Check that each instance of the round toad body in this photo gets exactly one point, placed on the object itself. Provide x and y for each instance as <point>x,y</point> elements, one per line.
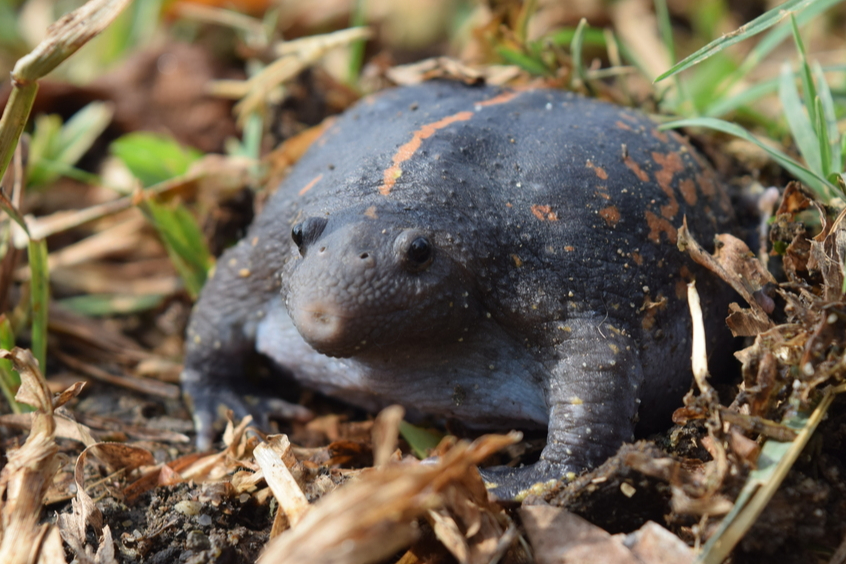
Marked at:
<point>506,258</point>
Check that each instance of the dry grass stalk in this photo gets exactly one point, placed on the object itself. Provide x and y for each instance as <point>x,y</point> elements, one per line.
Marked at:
<point>271,457</point>
<point>385,433</point>
<point>29,471</point>
<point>63,39</point>
<point>294,56</point>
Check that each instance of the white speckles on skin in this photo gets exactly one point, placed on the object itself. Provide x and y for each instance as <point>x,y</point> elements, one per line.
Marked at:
<point>646,289</point>
<point>832,318</point>
<point>808,369</point>
<point>548,106</point>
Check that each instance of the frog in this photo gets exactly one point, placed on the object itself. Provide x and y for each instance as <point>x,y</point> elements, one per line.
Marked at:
<point>501,257</point>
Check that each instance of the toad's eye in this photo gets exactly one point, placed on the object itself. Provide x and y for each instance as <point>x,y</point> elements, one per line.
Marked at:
<point>297,235</point>
<point>414,250</point>
<point>420,250</point>
<point>306,232</point>
<point>419,254</point>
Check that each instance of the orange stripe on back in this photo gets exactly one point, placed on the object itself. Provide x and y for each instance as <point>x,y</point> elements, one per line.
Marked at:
<point>499,99</point>
<point>407,150</point>
<point>311,184</point>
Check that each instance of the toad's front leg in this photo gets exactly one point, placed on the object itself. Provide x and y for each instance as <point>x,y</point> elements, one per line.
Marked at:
<point>593,395</point>
<point>222,335</point>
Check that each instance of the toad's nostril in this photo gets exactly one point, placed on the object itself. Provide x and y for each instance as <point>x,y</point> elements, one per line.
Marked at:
<point>364,256</point>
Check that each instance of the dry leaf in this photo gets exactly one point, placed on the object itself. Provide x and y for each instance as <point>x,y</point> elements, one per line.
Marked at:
<point>558,536</point>
<point>376,515</point>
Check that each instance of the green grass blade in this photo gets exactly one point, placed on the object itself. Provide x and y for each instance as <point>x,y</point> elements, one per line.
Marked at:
<point>576,52</point>
<point>100,305</point>
<point>830,115</point>
<point>253,131</point>
<point>763,48</point>
<point>665,27</point>
<point>808,87</point>
<point>724,105</point>
<point>55,148</point>
<point>756,26</point>
<point>774,38</point>
<point>41,144</point>
<point>525,62</point>
<point>184,242</point>
<point>56,169</point>
<point>521,26</point>
<point>13,121</point>
<point>40,300</point>
<point>7,206</point>
<point>82,130</point>
<point>819,184</point>
<point>800,124</point>
<point>422,441</point>
<point>153,158</point>
<point>10,38</point>
<point>822,138</point>
<point>590,36</point>
<point>358,18</point>
<point>10,380</point>
<point>702,83</point>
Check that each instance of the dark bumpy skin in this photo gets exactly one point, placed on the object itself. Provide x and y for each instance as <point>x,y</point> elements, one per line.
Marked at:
<point>503,258</point>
